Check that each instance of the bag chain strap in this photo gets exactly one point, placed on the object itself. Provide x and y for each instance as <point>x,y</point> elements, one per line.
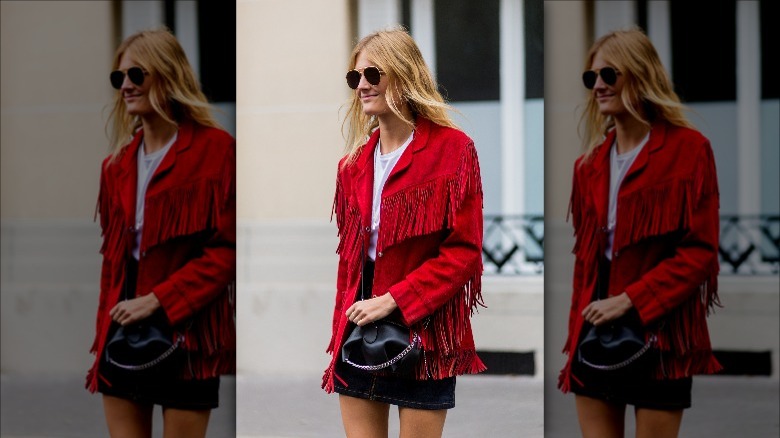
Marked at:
<point>415,342</point>
<point>626,362</point>
<point>153,362</point>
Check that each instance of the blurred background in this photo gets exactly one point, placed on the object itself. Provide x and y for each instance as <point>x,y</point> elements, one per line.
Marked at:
<point>54,104</point>
<point>719,57</point>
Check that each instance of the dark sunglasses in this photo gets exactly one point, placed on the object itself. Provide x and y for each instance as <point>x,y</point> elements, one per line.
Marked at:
<point>372,74</point>
<point>136,75</point>
<point>608,75</point>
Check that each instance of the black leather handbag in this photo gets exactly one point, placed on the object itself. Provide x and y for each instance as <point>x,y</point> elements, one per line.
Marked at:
<point>613,346</point>
<point>147,346</point>
<point>618,345</point>
<point>384,345</point>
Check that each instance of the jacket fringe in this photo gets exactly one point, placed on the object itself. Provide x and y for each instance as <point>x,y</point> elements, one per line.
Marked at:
<point>678,198</point>
<point>431,206</point>
<point>450,323</point>
<point>209,331</point>
<point>183,211</point>
<point>683,338</point>
<point>113,226</point>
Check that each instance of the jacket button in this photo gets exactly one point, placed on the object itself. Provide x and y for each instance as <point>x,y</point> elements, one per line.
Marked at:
<point>380,254</point>
<point>143,254</point>
<point>368,229</point>
<point>616,254</point>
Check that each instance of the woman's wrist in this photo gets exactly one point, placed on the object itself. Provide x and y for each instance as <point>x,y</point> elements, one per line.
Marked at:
<point>389,301</point>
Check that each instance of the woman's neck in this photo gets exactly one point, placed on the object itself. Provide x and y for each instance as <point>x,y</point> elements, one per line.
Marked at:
<point>629,132</point>
<point>157,133</point>
<point>393,131</point>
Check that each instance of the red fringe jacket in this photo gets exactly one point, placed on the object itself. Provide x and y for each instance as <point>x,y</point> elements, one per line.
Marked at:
<point>665,250</point>
<point>187,249</point>
<point>429,248</point>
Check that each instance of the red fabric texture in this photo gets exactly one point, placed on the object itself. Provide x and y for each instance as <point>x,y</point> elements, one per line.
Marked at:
<point>188,256</point>
<point>665,250</point>
<point>429,248</point>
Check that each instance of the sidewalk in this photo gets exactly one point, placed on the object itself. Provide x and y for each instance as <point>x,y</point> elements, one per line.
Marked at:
<point>296,407</point>
<point>60,407</point>
<point>485,407</point>
<point>721,407</point>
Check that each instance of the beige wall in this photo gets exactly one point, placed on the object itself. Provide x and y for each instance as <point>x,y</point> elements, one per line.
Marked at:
<point>55,62</point>
<point>566,43</point>
<point>292,57</point>
<point>54,87</point>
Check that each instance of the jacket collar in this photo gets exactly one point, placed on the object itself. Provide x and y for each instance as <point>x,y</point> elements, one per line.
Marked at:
<point>127,174</point>
<point>600,164</point>
<point>363,170</point>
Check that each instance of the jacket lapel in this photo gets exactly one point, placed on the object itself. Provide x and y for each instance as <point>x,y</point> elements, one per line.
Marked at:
<point>395,183</point>
<point>655,142</point>
<point>363,177</point>
<point>599,191</point>
<point>182,143</point>
<point>127,178</point>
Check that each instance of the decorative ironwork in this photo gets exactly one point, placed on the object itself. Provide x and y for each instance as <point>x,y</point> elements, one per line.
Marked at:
<point>749,244</point>
<point>513,244</point>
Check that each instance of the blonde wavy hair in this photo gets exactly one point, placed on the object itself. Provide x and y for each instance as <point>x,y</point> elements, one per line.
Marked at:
<point>647,94</point>
<point>394,51</point>
<point>175,93</point>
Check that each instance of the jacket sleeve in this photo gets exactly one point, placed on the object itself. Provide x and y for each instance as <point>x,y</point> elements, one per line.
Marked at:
<point>458,265</point>
<point>694,263</point>
<point>341,276</point>
<point>203,278</point>
<point>575,214</point>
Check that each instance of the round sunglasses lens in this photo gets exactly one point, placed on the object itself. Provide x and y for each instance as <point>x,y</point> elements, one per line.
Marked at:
<point>609,75</point>
<point>372,75</point>
<point>589,79</point>
<point>353,79</point>
<point>136,75</point>
<point>117,77</point>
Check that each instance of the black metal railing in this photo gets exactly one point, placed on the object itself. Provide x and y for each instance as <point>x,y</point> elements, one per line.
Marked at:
<point>513,244</point>
<point>749,244</point>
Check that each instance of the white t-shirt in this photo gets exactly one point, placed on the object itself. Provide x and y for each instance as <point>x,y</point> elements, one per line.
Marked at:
<point>147,165</point>
<point>383,165</point>
<point>618,168</point>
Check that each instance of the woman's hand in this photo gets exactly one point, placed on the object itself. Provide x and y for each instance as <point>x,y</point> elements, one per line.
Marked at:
<point>130,311</point>
<point>606,310</point>
<point>366,311</point>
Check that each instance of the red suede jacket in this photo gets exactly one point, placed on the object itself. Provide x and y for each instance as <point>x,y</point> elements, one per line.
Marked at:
<point>429,249</point>
<point>187,249</point>
<point>665,251</point>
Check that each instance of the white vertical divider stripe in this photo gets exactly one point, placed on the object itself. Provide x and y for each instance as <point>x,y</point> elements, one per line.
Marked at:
<point>377,14</point>
<point>748,108</point>
<point>424,31</point>
<point>611,15</point>
<point>187,31</point>
<point>660,30</point>
<point>512,74</point>
<point>140,15</point>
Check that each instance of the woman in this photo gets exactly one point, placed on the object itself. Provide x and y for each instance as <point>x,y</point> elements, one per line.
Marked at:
<point>644,207</point>
<point>408,207</point>
<point>167,211</point>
